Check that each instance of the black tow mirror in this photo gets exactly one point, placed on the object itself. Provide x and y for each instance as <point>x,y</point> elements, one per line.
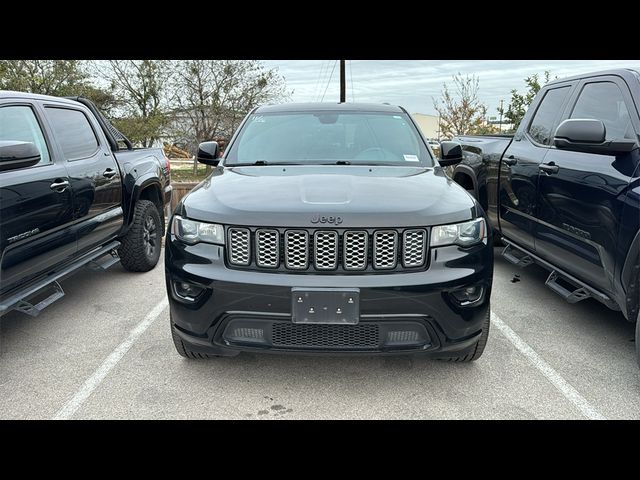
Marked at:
<point>14,154</point>
<point>450,153</point>
<point>208,153</point>
<point>588,135</point>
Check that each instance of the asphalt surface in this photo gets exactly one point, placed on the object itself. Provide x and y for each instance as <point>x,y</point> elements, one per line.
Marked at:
<point>104,351</point>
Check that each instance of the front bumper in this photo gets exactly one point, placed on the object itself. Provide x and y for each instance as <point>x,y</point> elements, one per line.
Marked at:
<point>399,312</point>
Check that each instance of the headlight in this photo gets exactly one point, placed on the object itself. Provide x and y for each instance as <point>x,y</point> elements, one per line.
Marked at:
<point>190,231</point>
<point>463,234</point>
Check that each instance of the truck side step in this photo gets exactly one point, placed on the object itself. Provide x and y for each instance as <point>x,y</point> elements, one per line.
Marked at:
<point>104,262</point>
<point>34,310</point>
<point>575,295</point>
<point>516,256</point>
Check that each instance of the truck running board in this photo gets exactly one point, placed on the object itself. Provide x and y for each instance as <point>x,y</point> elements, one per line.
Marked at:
<point>104,262</point>
<point>516,256</point>
<point>34,310</point>
<point>575,295</point>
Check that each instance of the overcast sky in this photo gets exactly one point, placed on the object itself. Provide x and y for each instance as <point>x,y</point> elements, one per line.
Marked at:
<point>413,83</point>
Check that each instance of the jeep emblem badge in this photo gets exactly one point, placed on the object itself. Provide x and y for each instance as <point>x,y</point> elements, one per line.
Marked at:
<point>326,219</point>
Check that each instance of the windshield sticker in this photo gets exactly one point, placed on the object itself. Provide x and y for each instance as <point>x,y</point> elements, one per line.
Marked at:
<point>411,158</point>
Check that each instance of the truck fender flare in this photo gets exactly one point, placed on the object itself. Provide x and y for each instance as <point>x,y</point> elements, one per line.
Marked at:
<point>467,170</point>
<point>142,183</point>
<point>630,278</point>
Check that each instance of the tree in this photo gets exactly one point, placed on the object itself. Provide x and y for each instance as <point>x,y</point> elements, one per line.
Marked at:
<point>461,112</point>
<point>140,88</point>
<point>520,102</point>
<point>53,77</point>
<point>46,77</point>
<point>213,96</point>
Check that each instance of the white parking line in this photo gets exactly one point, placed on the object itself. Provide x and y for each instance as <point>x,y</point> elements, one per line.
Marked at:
<point>554,377</point>
<point>81,396</point>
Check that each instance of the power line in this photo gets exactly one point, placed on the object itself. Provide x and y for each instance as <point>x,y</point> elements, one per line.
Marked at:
<point>353,98</point>
<point>316,90</point>
<point>330,77</point>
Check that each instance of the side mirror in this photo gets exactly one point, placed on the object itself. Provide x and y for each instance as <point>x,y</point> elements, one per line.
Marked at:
<point>208,153</point>
<point>14,154</point>
<point>450,153</point>
<point>589,136</point>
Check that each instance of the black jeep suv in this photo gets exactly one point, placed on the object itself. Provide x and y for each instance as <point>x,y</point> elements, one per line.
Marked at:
<point>329,228</point>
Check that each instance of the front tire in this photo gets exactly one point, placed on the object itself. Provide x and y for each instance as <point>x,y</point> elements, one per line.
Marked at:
<point>475,352</point>
<point>140,249</point>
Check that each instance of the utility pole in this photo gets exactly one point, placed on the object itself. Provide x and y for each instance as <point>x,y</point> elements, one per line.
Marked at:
<point>343,82</point>
<point>501,101</point>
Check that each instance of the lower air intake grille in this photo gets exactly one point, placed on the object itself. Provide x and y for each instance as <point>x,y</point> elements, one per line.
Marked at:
<point>288,335</point>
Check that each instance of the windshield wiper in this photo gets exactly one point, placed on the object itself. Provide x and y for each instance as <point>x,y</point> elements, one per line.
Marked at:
<point>260,163</point>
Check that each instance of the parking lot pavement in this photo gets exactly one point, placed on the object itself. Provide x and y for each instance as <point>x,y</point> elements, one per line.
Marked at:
<point>104,351</point>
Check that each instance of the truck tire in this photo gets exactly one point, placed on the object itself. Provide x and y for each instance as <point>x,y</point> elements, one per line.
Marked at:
<point>474,352</point>
<point>140,249</point>
<point>184,351</point>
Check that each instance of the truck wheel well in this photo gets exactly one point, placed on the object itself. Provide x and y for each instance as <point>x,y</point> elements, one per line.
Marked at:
<point>152,193</point>
<point>465,181</point>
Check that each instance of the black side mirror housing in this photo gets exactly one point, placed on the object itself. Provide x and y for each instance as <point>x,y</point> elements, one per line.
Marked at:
<point>588,135</point>
<point>450,153</point>
<point>208,153</point>
<point>15,154</point>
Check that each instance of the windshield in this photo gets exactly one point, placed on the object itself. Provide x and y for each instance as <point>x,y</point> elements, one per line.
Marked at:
<point>327,137</point>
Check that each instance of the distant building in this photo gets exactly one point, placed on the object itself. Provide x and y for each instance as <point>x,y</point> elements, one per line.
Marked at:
<point>428,124</point>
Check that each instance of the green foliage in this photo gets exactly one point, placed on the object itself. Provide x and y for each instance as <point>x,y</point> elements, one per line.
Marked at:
<point>46,77</point>
<point>520,102</point>
<point>213,96</point>
<point>185,101</point>
<point>461,112</point>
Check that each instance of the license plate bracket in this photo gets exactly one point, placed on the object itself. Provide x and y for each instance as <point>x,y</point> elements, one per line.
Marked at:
<point>339,306</point>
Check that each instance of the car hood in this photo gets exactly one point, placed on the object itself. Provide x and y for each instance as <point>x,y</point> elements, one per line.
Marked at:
<point>299,196</point>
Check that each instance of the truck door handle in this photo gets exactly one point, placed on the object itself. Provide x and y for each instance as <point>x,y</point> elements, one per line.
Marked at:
<point>549,168</point>
<point>59,185</point>
<point>510,160</point>
<point>109,172</point>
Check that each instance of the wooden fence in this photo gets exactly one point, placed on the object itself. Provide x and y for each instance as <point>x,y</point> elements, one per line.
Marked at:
<point>179,191</point>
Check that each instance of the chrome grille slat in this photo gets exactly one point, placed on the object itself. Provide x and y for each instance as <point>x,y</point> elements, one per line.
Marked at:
<point>355,251</point>
<point>413,248</point>
<point>239,246</point>
<point>296,249</point>
<point>325,249</point>
<point>385,246</point>
<point>267,248</point>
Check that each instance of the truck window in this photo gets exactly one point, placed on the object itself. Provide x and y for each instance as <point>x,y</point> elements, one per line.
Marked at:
<point>74,133</point>
<point>603,101</point>
<point>543,120</point>
<point>18,122</point>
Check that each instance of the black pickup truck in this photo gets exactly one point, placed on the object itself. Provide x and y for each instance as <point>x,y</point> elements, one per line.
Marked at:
<point>73,193</point>
<point>564,191</point>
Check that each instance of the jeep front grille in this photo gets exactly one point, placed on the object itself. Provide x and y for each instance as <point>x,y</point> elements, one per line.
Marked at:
<point>296,249</point>
<point>317,250</point>
<point>355,250</point>
<point>413,247</point>
<point>326,250</point>
<point>267,248</point>
<point>385,249</point>
<point>239,246</point>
